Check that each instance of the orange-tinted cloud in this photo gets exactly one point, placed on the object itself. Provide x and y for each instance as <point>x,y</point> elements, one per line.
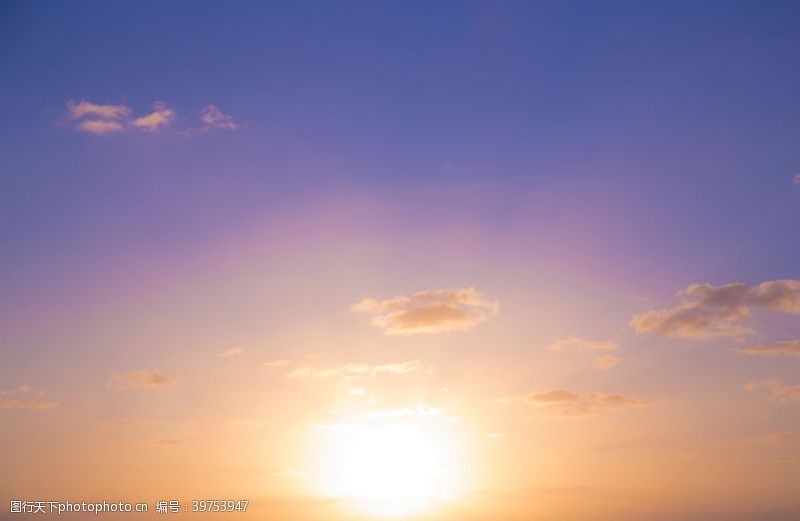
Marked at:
<point>142,379</point>
<point>559,402</point>
<point>785,348</point>
<point>778,391</point>
<point>430,311</point>
<point>574,343</point>
<point>87,108</point>
<point>605,362</point>
<point>99,126</point>
<point>770,439</point>
<point>708,311</point>
<point>161,116</point>
<point>234,351</point>
<point>18,398</point>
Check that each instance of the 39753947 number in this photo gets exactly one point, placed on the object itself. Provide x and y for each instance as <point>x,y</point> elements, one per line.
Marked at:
<point>219,505</point>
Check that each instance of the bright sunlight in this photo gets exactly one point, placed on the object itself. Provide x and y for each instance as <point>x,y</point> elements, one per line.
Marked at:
<point>390,469</point>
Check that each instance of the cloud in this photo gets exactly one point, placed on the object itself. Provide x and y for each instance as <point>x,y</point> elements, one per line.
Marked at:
<point>785,348</point>
<point>707,311</point>
<point>797,179</point>
<point>605,362</point>
<point>430,311</point>
<point>87,108</point>
<point>106,119</point>
<point>214,118</point>
<point>99,126</point>
<point>234,351</point>
<point>18,398</point>
<point>161,116</point>
<point>574,343</point>
<point>561,403</point>
<point>355,369</point>
<point>774,438</point>
<point>142,379</point>
<point>311,372</point>
<point>398,368</point>
<point>779,393</point>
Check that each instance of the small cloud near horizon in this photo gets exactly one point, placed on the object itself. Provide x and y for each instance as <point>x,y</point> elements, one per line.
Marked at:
<point>142,379</point>
<point>566,404</point>
<point>356,369</point>
<point>19,398</point>
<point>779,393</point>
<point>574,343</point>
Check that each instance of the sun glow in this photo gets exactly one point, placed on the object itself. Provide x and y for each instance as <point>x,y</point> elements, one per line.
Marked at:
<point>390,469</point>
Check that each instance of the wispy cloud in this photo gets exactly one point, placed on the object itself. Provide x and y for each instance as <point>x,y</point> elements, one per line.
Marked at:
<point>773,438</point>
<point>161,116</point>
<point>574,343</point>
<point>142,379</point>
<point>789,348</point>
<point>277,363</point>
<point>214,118</point>
<point>779,392</point>
<point>356,369</point>
<point>419,410</point>
<point>234,351</point>
<point>567,404</point>
<point>99,126</point>
<point>707,311</point>
<point>83,108</point>
<point>797,179</point>
<point>605,362</point>
<point>430,311</point>
<point>20,398</point>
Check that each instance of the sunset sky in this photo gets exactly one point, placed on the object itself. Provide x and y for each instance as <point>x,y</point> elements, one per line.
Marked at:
<point>453,261</point>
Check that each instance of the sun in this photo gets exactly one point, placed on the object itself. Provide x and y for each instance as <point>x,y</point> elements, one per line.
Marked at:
<point>390,468</point>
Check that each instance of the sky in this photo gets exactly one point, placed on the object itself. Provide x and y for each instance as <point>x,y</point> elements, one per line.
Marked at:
<point>402,260</point>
